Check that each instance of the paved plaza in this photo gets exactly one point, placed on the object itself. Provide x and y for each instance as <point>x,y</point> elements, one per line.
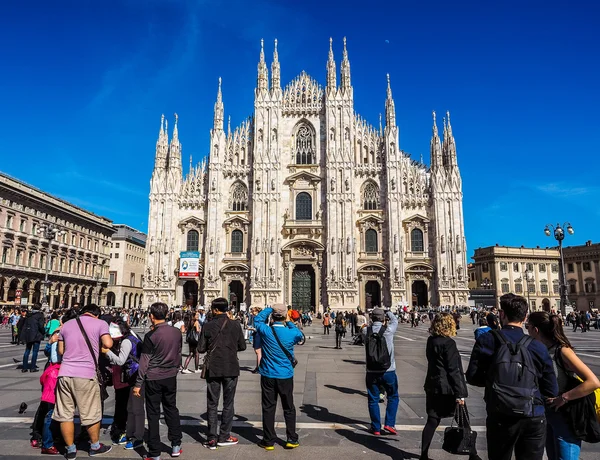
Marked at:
<point>329,393</point>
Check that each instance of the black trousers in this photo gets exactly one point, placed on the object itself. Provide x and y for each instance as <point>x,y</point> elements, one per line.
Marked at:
<point>136,416</point>
<point>525,436</point>
<point>162,391</point>
<point>270,389</point>
<point>120,417</point>
<point>338,339</point>
<point>213,392</point>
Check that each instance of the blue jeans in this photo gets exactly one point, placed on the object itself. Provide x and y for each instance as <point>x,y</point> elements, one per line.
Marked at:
<point>561,444</point>
<point>47,437</point>
<point>388,381</point>
<point>36,348</point>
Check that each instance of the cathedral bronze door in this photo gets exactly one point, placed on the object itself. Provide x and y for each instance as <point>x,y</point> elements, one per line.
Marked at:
<point>303,288</point>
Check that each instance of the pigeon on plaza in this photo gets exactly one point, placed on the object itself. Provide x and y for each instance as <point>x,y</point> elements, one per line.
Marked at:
<point>22,408</point>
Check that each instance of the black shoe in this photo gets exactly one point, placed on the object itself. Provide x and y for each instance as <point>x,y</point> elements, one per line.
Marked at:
<point>255,371</point>
<point>71,455</point>
<point>103,449</point>
<point>37,369</point>
<point>24,370</point>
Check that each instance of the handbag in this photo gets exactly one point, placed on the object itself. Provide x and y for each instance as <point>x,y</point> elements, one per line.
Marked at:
<point>206,360</point>
<point>99,375</point>
<point>459,440</point>
<point>192,336</point>
<point>293,360</point>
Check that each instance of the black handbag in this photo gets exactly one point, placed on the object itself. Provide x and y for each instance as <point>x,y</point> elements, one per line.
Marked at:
<point>460,440</point>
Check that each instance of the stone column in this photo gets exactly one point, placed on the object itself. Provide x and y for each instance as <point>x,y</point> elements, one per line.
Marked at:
<point>5,293</point>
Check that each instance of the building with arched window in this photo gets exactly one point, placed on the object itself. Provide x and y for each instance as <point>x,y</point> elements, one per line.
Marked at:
<point>307,203</point>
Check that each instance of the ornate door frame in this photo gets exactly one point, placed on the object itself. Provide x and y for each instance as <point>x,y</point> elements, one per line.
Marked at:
<point>303,252</point>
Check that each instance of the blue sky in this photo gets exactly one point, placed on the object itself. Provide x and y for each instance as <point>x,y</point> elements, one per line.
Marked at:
<point>84,84</point>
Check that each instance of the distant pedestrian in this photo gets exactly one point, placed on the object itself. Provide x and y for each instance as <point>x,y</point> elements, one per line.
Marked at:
<point>221,339</point>
<point>277,373</point>
<point>32,334</point>
<point>157,373</point>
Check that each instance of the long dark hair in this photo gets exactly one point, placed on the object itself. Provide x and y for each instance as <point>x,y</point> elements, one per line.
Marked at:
<point>550,326</point>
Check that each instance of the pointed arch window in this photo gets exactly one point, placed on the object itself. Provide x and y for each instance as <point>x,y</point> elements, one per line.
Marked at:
<point>370,196</point>
<point>237,241</point>
<point>305,145</point>
<point>416,240</point>
<point>239,197</point>
<point>303,206</point>
<point>371,245</point>
<point>192,240</point>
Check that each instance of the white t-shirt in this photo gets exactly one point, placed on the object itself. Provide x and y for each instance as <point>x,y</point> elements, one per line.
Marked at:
<point>178,325</point>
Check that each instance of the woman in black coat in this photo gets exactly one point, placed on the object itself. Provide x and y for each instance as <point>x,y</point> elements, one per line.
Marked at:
<point>445,383</point>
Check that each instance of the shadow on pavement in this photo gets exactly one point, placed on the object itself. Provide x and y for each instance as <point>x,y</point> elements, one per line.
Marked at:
<point>354,361</point>
<point>347,391</point>
<point>322,414</point>
<point>377,444</point>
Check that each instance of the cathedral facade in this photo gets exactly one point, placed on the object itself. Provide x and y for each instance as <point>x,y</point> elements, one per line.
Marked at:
<point>308,204</point>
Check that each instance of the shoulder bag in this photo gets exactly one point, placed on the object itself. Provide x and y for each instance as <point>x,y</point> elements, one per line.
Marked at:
<point>99,376</point>
<point>206,360</point>
<point>459,440</point>
<point>293,360</point>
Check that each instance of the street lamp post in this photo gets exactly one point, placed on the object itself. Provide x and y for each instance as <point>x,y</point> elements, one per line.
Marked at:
<point>49,232</point>
<point>559,235</point>
<point>486,284</point>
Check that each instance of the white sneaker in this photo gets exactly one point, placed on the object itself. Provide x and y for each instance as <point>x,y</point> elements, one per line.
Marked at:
<point>186,371</point>
<point>197,371</point>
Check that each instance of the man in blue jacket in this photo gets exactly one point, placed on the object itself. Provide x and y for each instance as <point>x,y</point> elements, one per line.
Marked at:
<point>276,371</point>
<point>524,434</point>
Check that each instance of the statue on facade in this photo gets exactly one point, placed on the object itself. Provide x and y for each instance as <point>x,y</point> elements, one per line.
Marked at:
<point>211,246</point>
<point>459,270</point>
<point>458,244</point>
<point>395,242</point>
<point>272,273</point>
<point>213,185</point>
<point>257,185</point>
<point>349,273</point>
<point>348,245</point>
<point>273,184</point>
<point>286,214</point>
<point>272,245</point>
<point>393,183</point>
<point>332,184</point>
<point>256,273</point>
<point>333,274</point>
<point>442,244</point>
<point>396,273</point>
<point>347,184</point>
<point>444,273</point>
<point>152,245</point>
<point>333,245</point>
<point>319,212</point>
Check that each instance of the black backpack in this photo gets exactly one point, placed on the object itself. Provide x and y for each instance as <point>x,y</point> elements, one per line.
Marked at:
<point>378,355</point>
<point>512,380</point>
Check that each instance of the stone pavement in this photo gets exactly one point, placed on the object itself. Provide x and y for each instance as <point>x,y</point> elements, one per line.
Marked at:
<point>329,394</point>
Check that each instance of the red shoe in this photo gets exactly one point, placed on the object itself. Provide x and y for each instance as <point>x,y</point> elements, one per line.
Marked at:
<point>35,444</point>
<point>230,441</point>
<point>390,430</point>
<point>50,451</point>
<point>375,433</point>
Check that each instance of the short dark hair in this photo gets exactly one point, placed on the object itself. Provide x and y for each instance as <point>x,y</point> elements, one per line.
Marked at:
<point>514,307</point>
<point>220,304</point>
<point>92,309</point>
<point>159,310</point>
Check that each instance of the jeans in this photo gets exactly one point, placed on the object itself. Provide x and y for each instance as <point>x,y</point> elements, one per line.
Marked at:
<point>526,436</point>
<point>338,339</point>
<point>38,420</point>
<point>47,436</point>
<point>388,381</point>
<point>561,444</point>
<point>270,389</point>
<point>162,391</point>
<point>35,346</point>
<point>213,392</point>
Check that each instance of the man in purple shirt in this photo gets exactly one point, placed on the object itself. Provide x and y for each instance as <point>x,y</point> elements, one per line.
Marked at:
<point>77,382</point>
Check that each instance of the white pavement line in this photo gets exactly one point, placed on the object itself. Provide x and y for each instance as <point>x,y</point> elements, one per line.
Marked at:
<point>257,424</point>
<point>405,338</point>
<point>16,364</point>
<point>9,345</point>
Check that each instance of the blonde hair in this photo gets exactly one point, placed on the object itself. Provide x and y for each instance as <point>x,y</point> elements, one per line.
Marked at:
<point>443,325</point>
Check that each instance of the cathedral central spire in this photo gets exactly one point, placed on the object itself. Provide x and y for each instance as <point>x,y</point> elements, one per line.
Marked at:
<point>218,121</point>
<point>263,74</point>
<point>390,107</point>
<point>331,71</point>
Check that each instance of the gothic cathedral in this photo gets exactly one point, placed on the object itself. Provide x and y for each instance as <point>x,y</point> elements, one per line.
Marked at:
<point>308,204</point>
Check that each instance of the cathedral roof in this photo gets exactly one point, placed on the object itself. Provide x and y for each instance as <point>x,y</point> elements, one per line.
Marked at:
<point>303,95</point>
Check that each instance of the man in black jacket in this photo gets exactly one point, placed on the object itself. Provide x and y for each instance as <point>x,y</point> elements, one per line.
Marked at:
<point>525,433</point>
<point>32,334</point>
<point>221,339</point>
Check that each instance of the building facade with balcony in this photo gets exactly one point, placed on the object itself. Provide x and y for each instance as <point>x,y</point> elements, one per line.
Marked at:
<point>126,270</point>
<point>530,272</point>
<point>582,273</point>
<point>78,256</point>
<point>308,204</point>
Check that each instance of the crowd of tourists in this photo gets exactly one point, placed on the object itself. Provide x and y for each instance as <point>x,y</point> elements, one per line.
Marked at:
<point>539,395</point>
